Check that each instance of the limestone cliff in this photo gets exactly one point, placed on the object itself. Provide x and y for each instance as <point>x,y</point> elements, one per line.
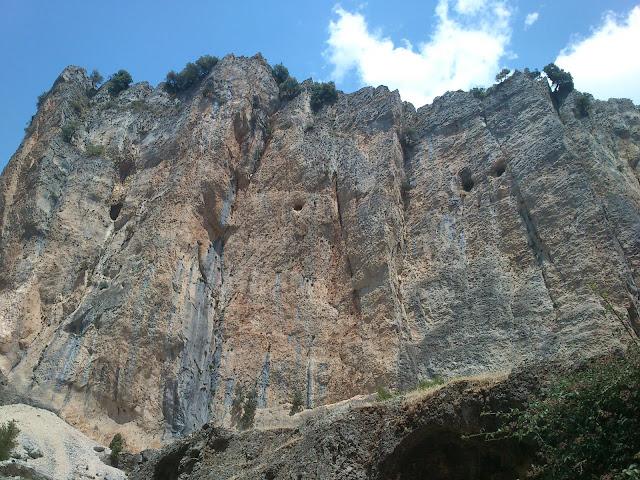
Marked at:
<point>177,248</point>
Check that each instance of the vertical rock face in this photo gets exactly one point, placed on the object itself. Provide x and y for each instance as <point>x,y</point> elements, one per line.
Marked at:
<point>180,249</point>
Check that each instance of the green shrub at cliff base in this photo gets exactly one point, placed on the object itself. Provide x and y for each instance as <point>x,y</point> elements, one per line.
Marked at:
<point>190,74</point>
<point>119,81</point>
<point>323,94</point>
<point>585,425</point>
<point>383,394</point>
<point>8,434</point>
<point>116,446</point>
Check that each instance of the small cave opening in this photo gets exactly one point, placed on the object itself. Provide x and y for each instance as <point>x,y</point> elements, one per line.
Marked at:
<point>114,211</point>
<point>442,454</point>
<point>498,169</point>
<point>298,206</point>
<point>466,180</point>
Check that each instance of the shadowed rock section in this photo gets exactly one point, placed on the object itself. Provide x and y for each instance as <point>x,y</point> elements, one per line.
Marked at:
<point>227,241</point>
<point>423,435</point>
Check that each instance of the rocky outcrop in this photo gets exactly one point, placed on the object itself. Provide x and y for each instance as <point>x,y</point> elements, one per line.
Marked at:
<point>431,434</point>
<point>180,249</point>
<point>50,449</point>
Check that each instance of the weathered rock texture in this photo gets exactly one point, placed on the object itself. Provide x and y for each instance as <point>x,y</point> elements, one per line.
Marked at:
<point>226,239</point>
<point>414,438</point>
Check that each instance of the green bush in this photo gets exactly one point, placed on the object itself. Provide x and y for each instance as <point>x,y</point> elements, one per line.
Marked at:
<point>116,446</point>
<point>585,424</point>
<point>322,94</point>
<point>383,394</point>
<point>478,92</point>
<point>583,104</point>
<point>297,403</point>
<point>502,75</point>
<point>562,81</point>
<point>69,130</point>
<point>96,78</point>
<point>280,73</point>
<point>190,74</point>
<point>205,64</point>
<point>8,435</point>
<point>94,150</point>
<point>288,85</point>
<point>119,81</point>
<point>426,384</point>
<point>289,89</point>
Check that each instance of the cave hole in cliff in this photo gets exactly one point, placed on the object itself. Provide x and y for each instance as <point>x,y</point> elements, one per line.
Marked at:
<point>440,454</point>
<point>169,468</point>
<point>114,211</point>
<point>499,168</point>
<point>466,180</point>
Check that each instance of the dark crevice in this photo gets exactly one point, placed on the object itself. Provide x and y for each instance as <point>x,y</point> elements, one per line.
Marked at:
<point>499,168</point>
<point>534,241</point>
<point>114,211</point>
<point>539,251</point>
<point>466,180</point>
<point>634,319</point>
<point>444,454</point>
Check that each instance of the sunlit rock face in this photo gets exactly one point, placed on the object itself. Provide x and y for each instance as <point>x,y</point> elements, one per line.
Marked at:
<point>178,250</point>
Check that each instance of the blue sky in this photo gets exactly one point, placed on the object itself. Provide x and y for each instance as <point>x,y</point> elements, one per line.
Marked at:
<point>421,47</point>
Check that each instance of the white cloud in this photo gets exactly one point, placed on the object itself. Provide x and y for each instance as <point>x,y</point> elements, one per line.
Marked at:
<point>607,63</point>
<point>467,7</point>
<point>530,19</point>
<point>463,51</point>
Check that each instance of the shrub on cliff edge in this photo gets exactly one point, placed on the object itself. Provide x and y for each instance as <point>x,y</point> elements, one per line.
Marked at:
<point>190,74</point>
<point>323,94</point>
<point>119,81</point>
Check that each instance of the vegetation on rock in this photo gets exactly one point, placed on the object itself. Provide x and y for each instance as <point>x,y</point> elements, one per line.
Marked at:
<point>116,446</point>
<point>323,94</point>
<point>585,424</point>
<point>69,130</point>
<point>190,74</point>
<point>94,150</point>
<point>96,78</point>
<point>288,85</point>
<point>8,435</point>
<point>502,75</point>
<point>119,81</point>
<point>583,104</point>
<point>562,81</point>
<point>249,411</point>
<point>383,393</point>
<point>297,403</point>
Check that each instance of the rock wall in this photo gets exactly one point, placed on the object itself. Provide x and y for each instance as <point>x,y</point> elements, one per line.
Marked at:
<point>224,240</point>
